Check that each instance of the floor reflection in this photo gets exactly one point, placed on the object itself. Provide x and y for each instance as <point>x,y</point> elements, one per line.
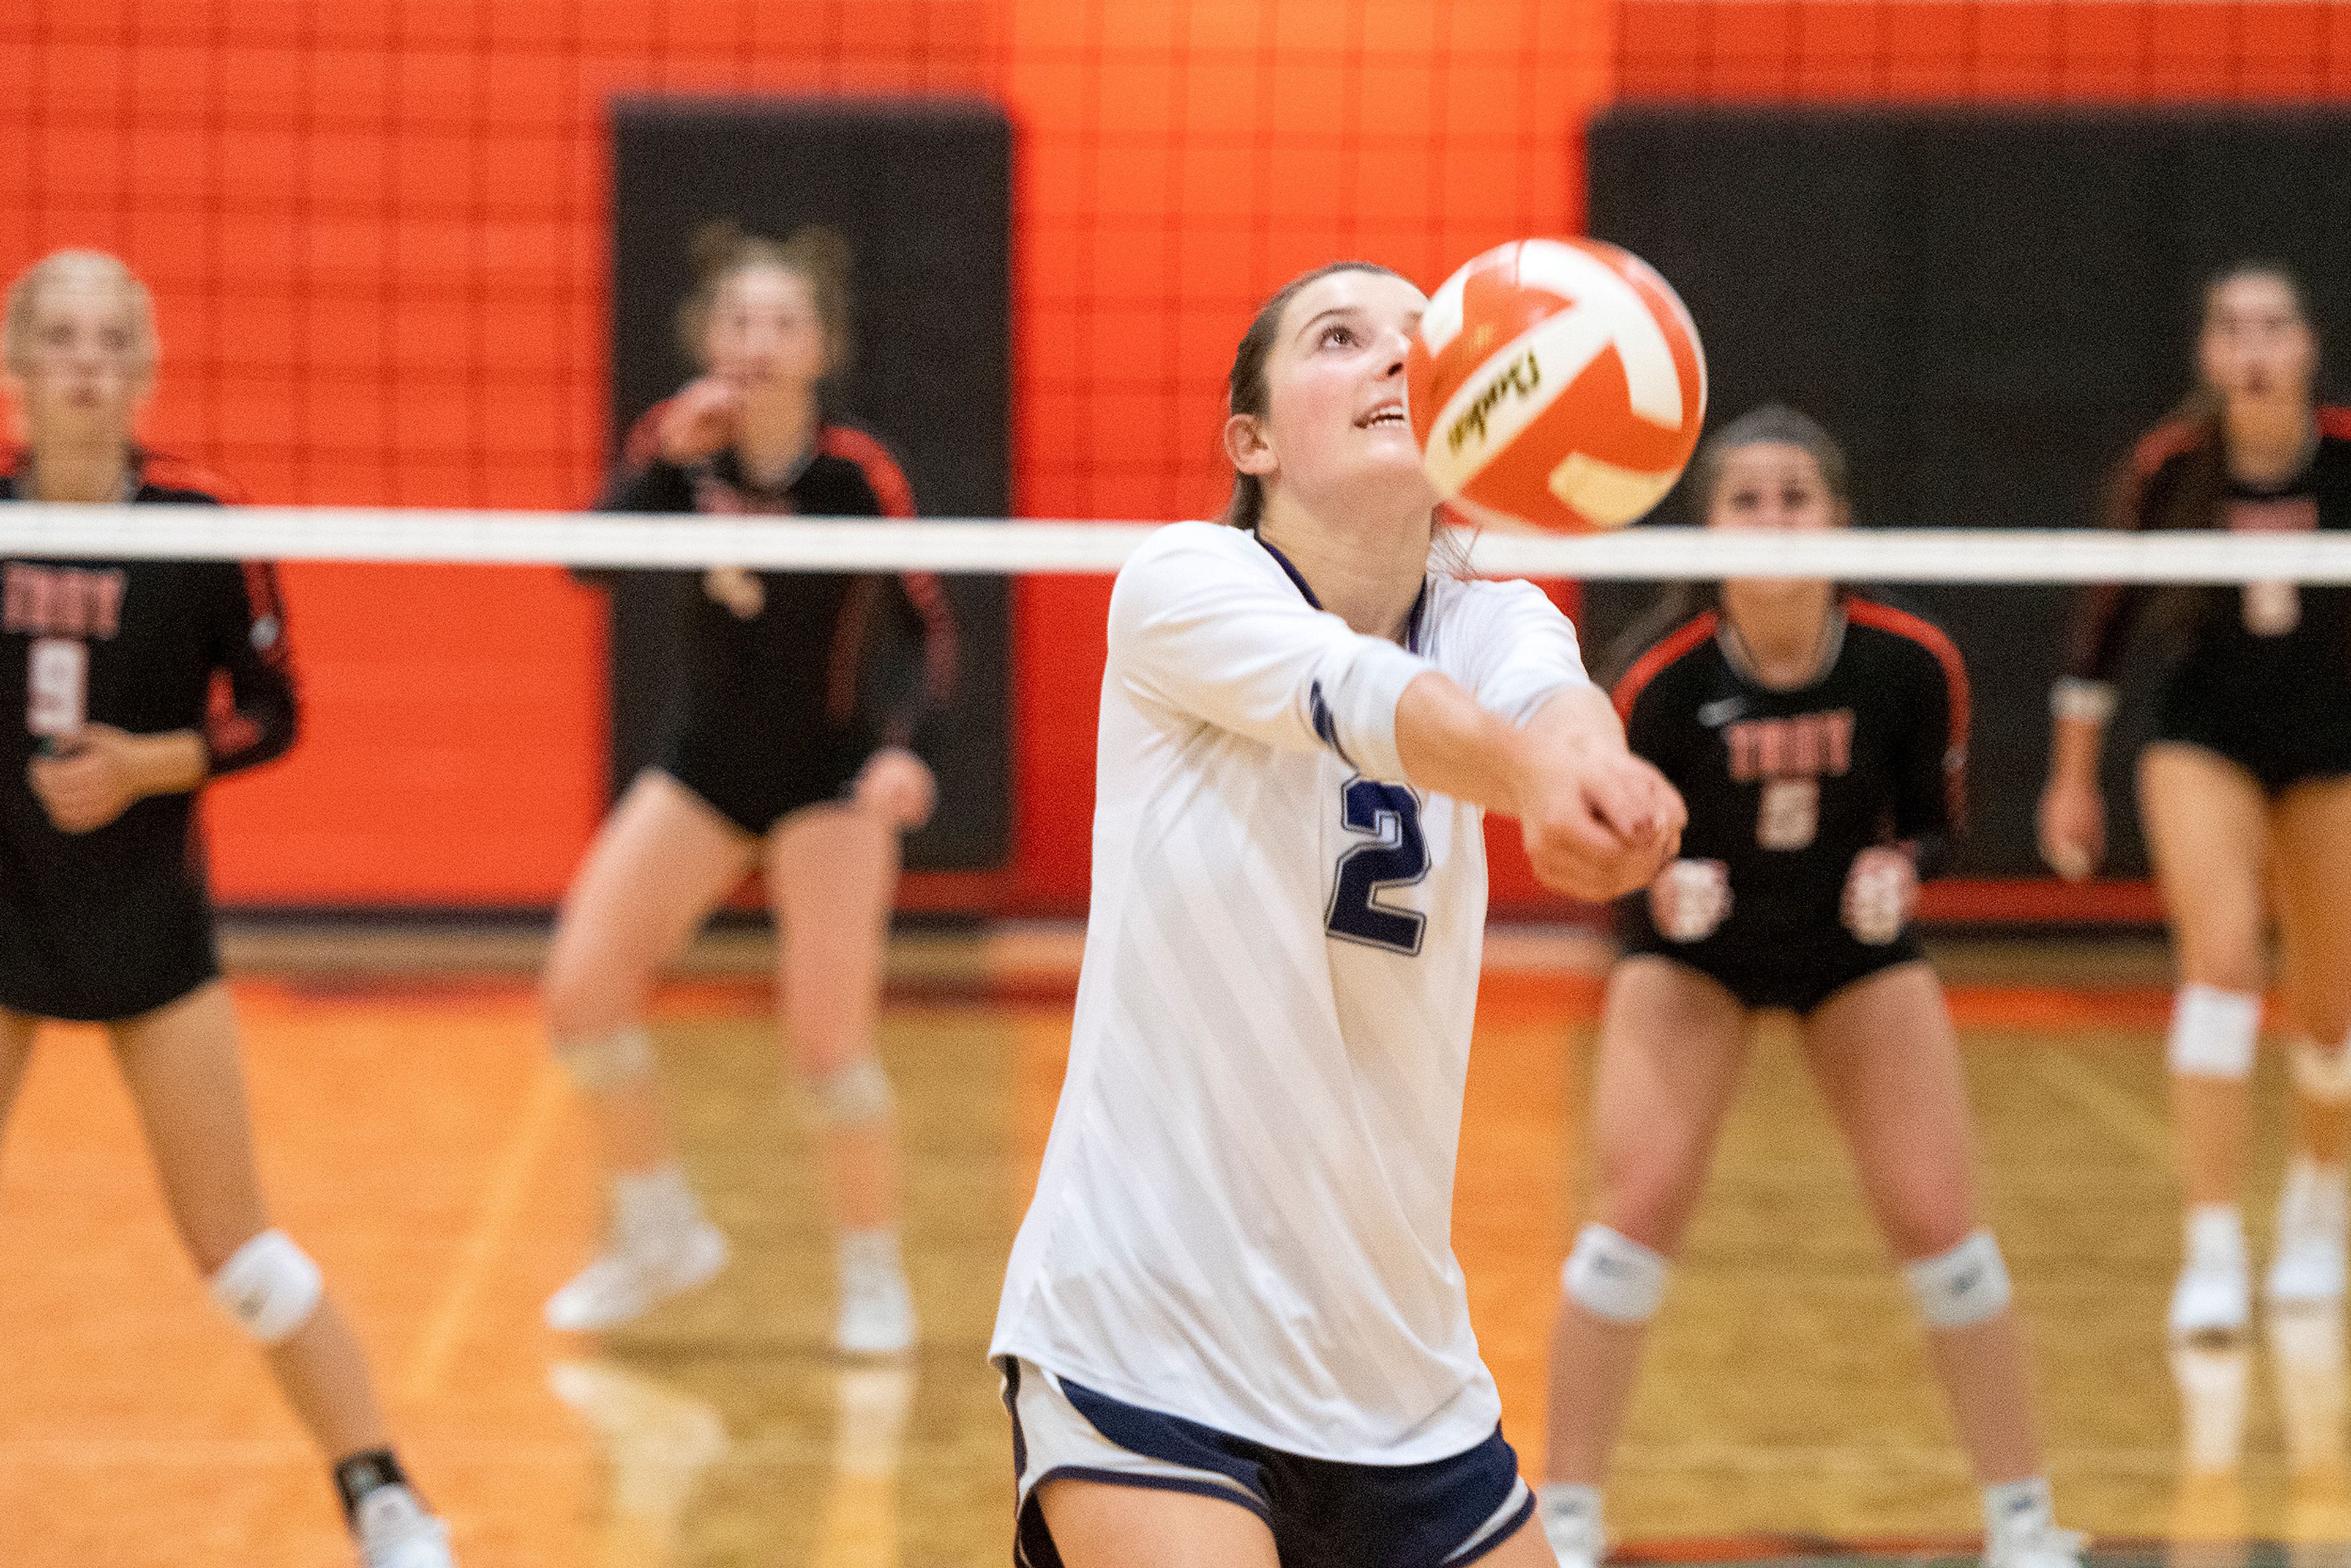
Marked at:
<point>2215,1382</point>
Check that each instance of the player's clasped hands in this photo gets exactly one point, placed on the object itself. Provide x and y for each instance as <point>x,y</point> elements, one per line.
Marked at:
<point>1598,820</point>
<point>92,778</point>
<point>701,420</point>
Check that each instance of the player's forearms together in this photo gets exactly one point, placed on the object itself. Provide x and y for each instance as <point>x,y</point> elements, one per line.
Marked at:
<point>1598,821</point>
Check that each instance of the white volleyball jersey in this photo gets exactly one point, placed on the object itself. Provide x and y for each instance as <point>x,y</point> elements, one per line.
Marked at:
<point>1245,1213</point>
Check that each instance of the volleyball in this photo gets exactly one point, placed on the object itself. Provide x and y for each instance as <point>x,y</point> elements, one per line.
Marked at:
<point>1556,384</point>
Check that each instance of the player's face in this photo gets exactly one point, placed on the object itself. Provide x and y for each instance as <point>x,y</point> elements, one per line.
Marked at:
<point>765,333</point>
<point>1335,417</point>
<point>1771,485</point>
<point>84,372</point>
<point>2256,344</point>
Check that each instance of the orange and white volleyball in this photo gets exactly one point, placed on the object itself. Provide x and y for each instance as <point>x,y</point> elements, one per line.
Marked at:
<point>1557,384</point>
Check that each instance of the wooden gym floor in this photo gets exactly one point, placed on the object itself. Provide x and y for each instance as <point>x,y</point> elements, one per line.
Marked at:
<point>415,1139</point>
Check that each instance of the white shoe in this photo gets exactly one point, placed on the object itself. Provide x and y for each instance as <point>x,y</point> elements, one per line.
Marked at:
<point>630,1280</point>
<point>2308,1264</point>
<point>395,1531</point>
<point>877,1308</point>
<point>1570,1516</point>
<point>2211,1297</point>
<point>2034,1543</point>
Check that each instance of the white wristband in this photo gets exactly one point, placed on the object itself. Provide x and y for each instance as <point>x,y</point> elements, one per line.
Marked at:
<point>2090,702</point>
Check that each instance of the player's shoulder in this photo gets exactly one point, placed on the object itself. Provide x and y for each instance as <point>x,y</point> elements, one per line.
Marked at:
<point>2165,447</point>
<point>873,463</point>
<point>1680,646</point>
<point>1210,546</point>
<point>1874,613</point>
<point>170,479</point>
<point>1887,632</point>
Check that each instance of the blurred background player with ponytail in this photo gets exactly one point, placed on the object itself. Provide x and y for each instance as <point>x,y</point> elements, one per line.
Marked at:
<point>1820,738</point>
<point>783,763</point>
<point>2246,790</point>
<point>104,913</point>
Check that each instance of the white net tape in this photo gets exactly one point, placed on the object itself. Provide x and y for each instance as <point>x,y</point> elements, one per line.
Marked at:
<point>995,545</point>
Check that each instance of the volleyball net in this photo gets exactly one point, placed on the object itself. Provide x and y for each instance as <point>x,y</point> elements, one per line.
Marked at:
<point>1009,546</point>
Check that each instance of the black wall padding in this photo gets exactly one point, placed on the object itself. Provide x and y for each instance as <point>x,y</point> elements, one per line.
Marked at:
<point>923,194</point>
<point>1987,307</point>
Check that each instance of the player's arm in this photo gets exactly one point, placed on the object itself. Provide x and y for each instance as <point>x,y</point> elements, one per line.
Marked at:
<point>1200,626</point>
<point>1881,886</point>
<point>1595,814</point>
<point>98,772</point>
<point>256,710</point>
<point>1597,820</point>
<point>2072,818</point>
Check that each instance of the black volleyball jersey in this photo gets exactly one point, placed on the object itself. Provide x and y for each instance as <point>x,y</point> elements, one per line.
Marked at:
<point>2270,643</point>
<point>147,647</point>
<point>801,668</point>
<point>1785,787</point>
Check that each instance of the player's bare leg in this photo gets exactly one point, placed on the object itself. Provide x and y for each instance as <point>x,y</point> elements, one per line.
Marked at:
<point>2313,828</point>
<point>181,1065</point>
<point>832,875</point>
<point>1672,1044</point>
<point>661,865</point>
<point>1097,1526</point>
<point>1888,1063</point>
<point>2207,833</point>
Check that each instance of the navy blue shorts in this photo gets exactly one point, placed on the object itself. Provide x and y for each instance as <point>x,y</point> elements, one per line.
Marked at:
<point>1323,1514</point>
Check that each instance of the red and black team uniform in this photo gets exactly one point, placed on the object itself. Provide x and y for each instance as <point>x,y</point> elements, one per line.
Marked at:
<point>2259,673</point>
<point>1785,787</point>
<point>108,924</point>
<point>782,709</point>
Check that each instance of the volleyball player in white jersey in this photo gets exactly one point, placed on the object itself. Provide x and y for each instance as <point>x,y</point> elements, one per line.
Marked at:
<point>1233,1331</point>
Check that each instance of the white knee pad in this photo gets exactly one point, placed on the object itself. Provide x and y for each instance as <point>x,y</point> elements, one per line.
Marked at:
<point>607,1061</point>
<point>1615,1277</point>
<point>855,1095</point>
<point>2322,1073</point>
<point>1965,1286</point>
<point>269,1286</point>
<point>2213,1031</point>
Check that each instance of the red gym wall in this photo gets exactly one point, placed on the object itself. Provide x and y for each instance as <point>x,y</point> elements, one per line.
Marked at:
<point>376,234</point>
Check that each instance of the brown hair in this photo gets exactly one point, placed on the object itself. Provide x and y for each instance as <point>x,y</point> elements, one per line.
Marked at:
<point>25,298</point>
<point>723,251</point>
<point>1246,391</point>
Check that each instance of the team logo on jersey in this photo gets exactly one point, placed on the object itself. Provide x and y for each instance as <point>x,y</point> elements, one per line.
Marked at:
<point>1721,711</point>
<point>61,601</point>
<point>1805,746</point>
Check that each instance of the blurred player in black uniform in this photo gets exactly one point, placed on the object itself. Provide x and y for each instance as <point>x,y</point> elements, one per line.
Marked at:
<point>783,762</point>
<point>137,682</point>
<point>1820,739</point>
<point>2244,791</point>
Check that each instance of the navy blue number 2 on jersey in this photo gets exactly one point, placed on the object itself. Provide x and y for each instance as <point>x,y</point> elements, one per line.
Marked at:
<point>1396,857</point>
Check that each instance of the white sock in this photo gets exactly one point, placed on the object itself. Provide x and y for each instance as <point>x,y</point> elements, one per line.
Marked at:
<point>654,1205</point>
<point>1568,1500</point>
<point>2017,1508</point>
<point>866,1250</point>
<point>2313,1194</point>
<point>2216,1237</point>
